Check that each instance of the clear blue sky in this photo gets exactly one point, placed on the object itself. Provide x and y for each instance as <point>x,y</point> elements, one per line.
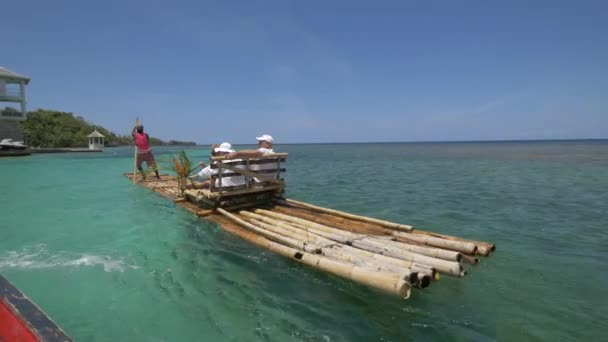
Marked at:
<point>318,71</point>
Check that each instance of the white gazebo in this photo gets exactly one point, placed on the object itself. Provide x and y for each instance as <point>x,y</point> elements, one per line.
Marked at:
<point>95,140</point>
<point>12,89</point>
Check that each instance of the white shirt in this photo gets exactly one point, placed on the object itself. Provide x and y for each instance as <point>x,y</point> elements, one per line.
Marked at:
<point>261,167</point>
<point>265,150</point>
<point>207,172</point>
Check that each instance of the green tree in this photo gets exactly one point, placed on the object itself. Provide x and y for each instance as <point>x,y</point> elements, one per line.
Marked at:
<point>49,128</point>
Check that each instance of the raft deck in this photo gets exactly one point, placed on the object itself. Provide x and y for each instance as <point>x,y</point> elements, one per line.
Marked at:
<point>384,255</point>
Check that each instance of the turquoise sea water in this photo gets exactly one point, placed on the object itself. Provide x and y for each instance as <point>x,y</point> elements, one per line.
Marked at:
<point>110,261</point>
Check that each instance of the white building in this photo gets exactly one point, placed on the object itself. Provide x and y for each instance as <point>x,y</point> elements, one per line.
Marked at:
<point>12,89</point>
<point>96,140</point>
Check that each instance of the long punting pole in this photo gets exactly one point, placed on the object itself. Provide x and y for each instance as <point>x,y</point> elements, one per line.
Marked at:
<point>135,153</point>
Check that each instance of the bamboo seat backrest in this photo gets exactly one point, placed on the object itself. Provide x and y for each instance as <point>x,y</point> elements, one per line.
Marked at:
<point>255,174</point>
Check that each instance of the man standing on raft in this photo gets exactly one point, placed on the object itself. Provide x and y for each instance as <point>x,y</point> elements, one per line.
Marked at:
<point>144,151</point>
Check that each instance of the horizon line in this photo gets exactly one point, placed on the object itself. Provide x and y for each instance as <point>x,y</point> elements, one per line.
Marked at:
<point>423,141</point>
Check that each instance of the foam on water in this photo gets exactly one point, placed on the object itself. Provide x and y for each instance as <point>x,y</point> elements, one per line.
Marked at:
<point>38,257</point>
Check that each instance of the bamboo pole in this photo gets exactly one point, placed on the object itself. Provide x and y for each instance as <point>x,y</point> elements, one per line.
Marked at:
<point>379,280</point>
<point>402,291</point>
<point>204,212</point>
<point>135,152</point>
<point>300,245</point>
<point>469,259</point>
<point>428,270</point>
<point>483,248</point>
<point>359,227</point>
<point>302,221</point>
<point>461,246</point>
<point>334,221</point>
<point>432,252</point>
<point>392,225</point>
<point>447,267</point>
<point>413,274</point>
<point>338,252</point>
<point>320,243</point>
<point>410,247</point>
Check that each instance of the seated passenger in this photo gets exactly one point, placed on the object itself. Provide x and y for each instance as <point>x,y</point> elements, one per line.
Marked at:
<point>265,147</point>
<point>221,150</point>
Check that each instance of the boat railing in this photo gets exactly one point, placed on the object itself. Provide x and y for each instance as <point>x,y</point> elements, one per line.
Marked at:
<point>258,174</point>
<point>259,180</point>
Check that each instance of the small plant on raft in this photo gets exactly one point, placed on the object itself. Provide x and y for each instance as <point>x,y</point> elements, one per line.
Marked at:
<point>183,168</point>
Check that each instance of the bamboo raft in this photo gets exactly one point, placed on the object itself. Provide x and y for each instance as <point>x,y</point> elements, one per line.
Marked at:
<point>388,256</point>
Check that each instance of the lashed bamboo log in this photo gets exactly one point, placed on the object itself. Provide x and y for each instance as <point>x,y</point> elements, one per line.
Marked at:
<point>469,259</point>
<point>483,248</point>
<point>380,280</point>
<point>383,223</point>
<point>375,254</point>
<point>274,236</point>
<point>344,225</point>
<point>424,280</point>
<point>461,246</point>
<point>424,269</point>
<point>318,245</point>
<point>233,228</point>
<point>383,259</point>
<point>323,245</point>
<point>339,221</point>
<point>327,220</point>
<point>334,221</point>
<point>257,239</point>
<point>204,212</point>
<point>428,251</point>
<point>414,248</point>
<point>301,221</point>
<point>444,266</point>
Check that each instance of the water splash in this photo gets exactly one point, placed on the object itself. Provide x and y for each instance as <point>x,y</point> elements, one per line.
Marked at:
<point>38,257</point>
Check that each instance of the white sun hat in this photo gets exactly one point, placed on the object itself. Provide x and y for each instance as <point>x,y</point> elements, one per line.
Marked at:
<point>265,137</point>
<point>224,147</point>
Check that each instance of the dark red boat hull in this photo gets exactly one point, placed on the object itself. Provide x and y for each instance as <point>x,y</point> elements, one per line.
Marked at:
<point>22,320</point>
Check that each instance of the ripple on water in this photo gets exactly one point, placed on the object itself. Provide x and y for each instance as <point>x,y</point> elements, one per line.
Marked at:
<point>149,270</point>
